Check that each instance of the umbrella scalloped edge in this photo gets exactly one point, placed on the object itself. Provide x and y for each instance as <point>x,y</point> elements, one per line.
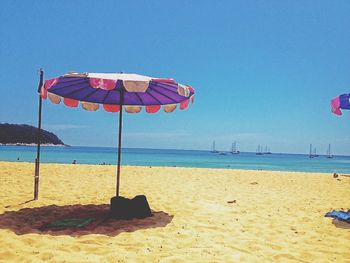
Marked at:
<point>90,106</point>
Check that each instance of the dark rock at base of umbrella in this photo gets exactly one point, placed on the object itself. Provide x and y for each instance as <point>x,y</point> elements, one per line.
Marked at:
<point>125,208</point>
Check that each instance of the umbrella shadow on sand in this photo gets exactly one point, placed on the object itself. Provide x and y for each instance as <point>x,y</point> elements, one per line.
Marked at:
<point>33,220</point>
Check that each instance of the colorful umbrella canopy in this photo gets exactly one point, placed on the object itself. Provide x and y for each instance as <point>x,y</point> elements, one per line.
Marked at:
<point>92,89</point>
<point>340,102</point>
<point>114,91</point>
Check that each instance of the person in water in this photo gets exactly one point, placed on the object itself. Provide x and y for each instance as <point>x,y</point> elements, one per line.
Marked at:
<point>74,162</point>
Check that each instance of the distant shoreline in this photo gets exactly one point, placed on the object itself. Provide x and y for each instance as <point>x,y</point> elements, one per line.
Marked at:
<point>33,144</point>
<point>171,158</point>
<point>157,166</point>
<point>163,149</point>
<point>218,169</point>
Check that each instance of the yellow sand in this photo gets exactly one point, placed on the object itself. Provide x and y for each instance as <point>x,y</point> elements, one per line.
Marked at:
<point>277,216</point>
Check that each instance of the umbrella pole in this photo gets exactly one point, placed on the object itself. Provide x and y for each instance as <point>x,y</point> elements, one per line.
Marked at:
<point>120,136</point>
<point>37,160</point>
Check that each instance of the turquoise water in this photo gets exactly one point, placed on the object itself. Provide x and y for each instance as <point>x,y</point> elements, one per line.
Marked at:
<point>180,158</point>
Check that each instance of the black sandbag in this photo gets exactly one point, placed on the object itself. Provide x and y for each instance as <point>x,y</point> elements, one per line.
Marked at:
<point>125,208</point>
<point>120,208</point>
<point>141,207</point>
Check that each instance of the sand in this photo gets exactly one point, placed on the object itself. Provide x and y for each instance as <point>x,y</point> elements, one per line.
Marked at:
<point>200,215</point>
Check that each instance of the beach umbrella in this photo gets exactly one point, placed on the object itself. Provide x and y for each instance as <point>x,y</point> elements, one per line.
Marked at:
<point>114,92</point>
<point>340,102</point>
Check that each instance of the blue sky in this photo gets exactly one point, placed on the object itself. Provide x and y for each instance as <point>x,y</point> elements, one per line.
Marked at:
<point>264,71</point>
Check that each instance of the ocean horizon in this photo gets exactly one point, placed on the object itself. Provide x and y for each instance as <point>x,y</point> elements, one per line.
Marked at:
<point>178,158</point>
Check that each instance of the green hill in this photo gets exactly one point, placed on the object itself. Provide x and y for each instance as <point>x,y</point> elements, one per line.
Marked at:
<point>25,134</point>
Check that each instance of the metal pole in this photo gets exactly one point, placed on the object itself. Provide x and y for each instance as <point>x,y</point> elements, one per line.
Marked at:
<point>121,98</point>
<point>37,160</point>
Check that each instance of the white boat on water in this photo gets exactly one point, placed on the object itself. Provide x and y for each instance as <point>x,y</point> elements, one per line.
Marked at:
<point>329,152</point>
<point>213,150</point>
<point>310,152</point>
<point>259,150</point>
<point>267,150</point>
<point>234,148</point>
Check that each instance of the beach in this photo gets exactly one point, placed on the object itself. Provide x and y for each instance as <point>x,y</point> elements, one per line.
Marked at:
<point>200,215</point>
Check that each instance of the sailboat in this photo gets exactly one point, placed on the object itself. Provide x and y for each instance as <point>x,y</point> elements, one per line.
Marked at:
<point>267,150</point>
<point>213,148</point>
<point>259,150</point>
<point>315,153</point>
<point>329,152</point>
<point>310,153</point>
<point>234,148</point>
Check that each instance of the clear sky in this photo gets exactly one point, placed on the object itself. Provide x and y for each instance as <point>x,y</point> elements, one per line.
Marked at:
<point>264,71</point>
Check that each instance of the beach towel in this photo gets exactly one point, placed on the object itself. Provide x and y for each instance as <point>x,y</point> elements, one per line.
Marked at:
<point>340,215</point>
<point>69,222</point>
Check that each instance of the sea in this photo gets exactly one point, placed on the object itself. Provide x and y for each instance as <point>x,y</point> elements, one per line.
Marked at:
<point>178,158</point>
